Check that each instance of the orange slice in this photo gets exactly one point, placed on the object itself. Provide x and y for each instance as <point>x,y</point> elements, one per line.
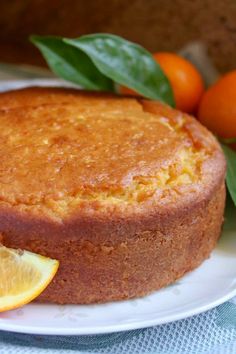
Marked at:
<point>23,276</point>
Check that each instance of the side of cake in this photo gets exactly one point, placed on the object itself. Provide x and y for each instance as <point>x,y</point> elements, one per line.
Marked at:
<point>127,194</point>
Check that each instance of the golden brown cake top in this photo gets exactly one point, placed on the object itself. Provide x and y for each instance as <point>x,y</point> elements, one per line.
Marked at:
<point>63,149</point>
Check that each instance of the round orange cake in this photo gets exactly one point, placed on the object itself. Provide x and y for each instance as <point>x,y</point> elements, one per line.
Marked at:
<point>128,194</point>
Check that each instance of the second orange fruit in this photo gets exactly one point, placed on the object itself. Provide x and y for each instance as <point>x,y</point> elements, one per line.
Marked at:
<point>217,109</point>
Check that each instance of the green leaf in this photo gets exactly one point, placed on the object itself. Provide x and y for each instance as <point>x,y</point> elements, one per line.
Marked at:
<point>230,212</point>
<point>127,64</point>
<point>228,140</point>
<point>71,63</point>
<point>231,171</point>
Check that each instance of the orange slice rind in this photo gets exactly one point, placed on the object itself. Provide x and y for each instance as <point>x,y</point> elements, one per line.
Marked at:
<point>23,276</point>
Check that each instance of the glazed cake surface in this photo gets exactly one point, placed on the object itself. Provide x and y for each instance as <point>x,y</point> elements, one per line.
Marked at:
<point>127,193</point>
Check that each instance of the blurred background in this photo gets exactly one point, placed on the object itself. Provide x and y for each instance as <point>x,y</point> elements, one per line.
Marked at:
<point>156,24</point>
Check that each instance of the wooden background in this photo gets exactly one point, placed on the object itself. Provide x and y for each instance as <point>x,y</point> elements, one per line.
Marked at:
<point>156,24</point>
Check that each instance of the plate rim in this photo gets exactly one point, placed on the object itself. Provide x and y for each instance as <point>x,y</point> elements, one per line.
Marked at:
<point>108,329</point>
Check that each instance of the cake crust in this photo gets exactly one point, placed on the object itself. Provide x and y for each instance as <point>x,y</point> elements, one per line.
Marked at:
<point>127,193</point>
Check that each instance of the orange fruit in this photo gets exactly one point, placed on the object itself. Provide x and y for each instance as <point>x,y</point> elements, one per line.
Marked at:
<point>186,81</point>
<point>23,276</point>
<point>217,109</point>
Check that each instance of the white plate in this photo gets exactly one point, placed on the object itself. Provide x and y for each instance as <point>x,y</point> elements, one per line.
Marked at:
<point>208,286</point>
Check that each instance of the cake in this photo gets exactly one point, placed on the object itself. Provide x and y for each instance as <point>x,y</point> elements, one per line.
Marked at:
<point>128,194</point>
